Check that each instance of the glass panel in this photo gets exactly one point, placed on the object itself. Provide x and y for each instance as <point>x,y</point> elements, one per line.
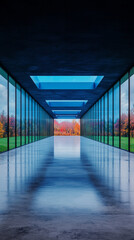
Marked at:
<point>91,123</point>
<point>97,122</point>
<point>18,115</point>
<point>124,112</point>
<point>116,115</point>
<point>27,120</point>
<point>106,119</point>
<point>23,118</point>
<point>132,113</point>
<point>40,119</point>
<point>36,123</point>
<point>11,113</point>
<point>103,140</point>
<point>33,121</point>
<point>30,121</point>
<point>38,129</point>
<point>101,120</point>
<point>111,117</point>
<point>88,124</point>
<point>94,122</point>
<point>3,111</point>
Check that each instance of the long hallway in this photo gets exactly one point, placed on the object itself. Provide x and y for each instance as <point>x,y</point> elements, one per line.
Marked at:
<point>66,188</point>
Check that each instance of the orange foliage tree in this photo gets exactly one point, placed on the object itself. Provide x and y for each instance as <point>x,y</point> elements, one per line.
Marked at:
<point>1,130</point>
<point>66,128</point>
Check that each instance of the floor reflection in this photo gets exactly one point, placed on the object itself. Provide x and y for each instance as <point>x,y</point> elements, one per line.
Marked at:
<point>67,175</point>
<point>21,170</point>
<point>67,188</point>
<point>112,169</point>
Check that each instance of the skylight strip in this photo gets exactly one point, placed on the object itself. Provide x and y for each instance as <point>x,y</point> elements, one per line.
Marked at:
<point>67,101</point>
<point>66,82</point>
<point>66,111</point>
<point>66,116</point>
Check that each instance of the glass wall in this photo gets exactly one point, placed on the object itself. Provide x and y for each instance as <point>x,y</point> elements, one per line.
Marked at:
<point>23,118</point>
<point>11,113</point>
<point>132,110</point>
<point>33,123</point>
<point>19,116</point>
<point>30,121</point>
<point>97,117</point>
<point>124,112</point>
<point>102,119</point>
<point>116,115</point>
<point>27,119</point>
<point>111,117</point>
<point>113,121</point>
<point>3,111</point>
<point>106,119</point>
<point>36,123</point>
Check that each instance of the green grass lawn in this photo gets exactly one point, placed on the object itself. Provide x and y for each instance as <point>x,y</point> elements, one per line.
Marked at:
<point>124,142</point>
<point>3,142</point>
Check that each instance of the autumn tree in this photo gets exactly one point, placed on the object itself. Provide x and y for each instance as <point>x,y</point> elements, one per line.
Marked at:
<point>1,130</point>
<point>66,128</point>
<point>77,128</point>
<point>124,125</point>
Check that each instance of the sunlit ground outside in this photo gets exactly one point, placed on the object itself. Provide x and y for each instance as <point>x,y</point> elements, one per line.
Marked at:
<point>61,131</point>
<point>66,127</point>
<point>124,142</point>
<point>19,141</point>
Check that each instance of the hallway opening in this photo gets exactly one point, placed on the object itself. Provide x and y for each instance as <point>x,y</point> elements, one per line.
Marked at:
<point>66,120</point>
<point>66,127</point>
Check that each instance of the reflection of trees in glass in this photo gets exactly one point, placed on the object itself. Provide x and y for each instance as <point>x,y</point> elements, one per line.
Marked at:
<point>124,125</point>
<point>116,127</point>
<point>132,111</point>
<point>106,118</point>
<point>116,114</point>
<point>11,126</point>
<point>132,122</point>
<point>124,112</point>
<point>18,128</point>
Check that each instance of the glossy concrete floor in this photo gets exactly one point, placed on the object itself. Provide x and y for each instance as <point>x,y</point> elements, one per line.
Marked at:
<point>66,188</point>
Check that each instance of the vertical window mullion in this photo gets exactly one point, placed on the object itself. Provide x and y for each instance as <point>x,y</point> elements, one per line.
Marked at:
<point>15,115</point>
<point>21,116</point>
<point>108,118</point>
<point>120,114</point>
<point>28,118</point>
<point>104,115</point>
<point>113,117</point>
<point>129,111</point>
<point>8,112</point>
<point>25,119</point>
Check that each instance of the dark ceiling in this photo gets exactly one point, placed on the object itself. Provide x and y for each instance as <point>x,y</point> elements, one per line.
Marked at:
<point>49,38</point>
